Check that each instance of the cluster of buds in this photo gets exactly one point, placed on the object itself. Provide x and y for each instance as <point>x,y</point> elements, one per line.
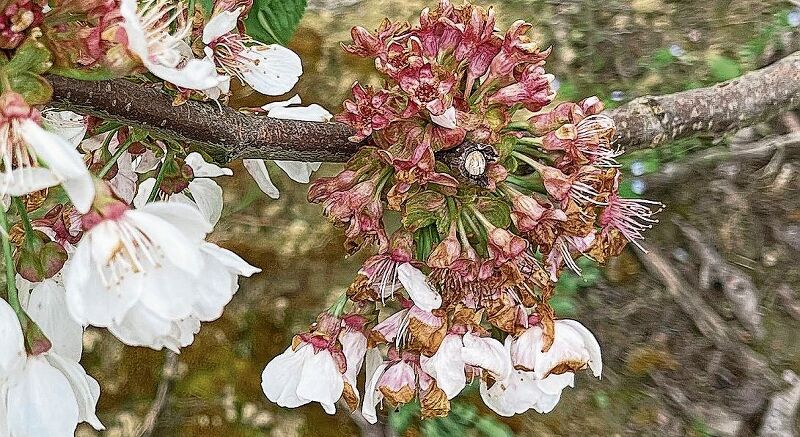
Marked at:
<point>461,290</point>
<point>16,20</point>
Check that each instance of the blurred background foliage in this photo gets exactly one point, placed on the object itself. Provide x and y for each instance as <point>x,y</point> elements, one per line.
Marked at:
<point>617,50</point>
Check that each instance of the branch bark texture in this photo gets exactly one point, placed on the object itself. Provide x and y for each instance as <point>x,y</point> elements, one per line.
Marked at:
<point>756,96</point>
<point>227,134</point>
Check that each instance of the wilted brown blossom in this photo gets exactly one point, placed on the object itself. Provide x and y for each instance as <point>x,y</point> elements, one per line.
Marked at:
<point>488,239</point>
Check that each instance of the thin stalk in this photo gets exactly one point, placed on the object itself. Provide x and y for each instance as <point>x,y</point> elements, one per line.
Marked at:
<point>518,125</point>
<point>524,183</point>
<point>117,153</point>
<point>160,177</point>
<point>526,159</point>
<point>26,221</point>
<point>11,274</point>
<point>338,307</point>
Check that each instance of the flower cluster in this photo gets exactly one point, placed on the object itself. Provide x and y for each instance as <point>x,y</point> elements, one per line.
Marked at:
<point>106,225</point>
<point>493,210</point>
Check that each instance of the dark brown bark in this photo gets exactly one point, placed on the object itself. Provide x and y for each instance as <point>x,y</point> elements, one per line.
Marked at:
<point>227,134</point>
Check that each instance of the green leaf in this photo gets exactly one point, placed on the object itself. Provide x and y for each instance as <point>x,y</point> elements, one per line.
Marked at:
<point>496,211</point>
<point>207,6</point>
<point>563,306</point>
<point>31,57</point>
<point>274,21</point>
<point>492,428</point>
<point>723,68</point>
<point>423,209</point>
<point>33,88</point>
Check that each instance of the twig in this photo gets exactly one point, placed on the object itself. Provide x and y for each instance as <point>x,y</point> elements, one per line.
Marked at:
<point>227,134</point>
<point>650,121</point>
<point>378,429</point>
<point>736,286</point>
<point>168,373</point>
<point>789,300</point>
<point>719,420</point>
<point>707,321</point>
<point>759,152</point>
<point>781,415</point>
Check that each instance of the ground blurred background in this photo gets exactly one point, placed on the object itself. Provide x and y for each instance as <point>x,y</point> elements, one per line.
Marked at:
<point>661,375</point>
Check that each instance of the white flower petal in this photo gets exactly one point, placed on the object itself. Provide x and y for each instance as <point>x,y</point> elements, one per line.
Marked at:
<point>142,327</point>
<point>372,396</point>
<point>281,376</point>
<point>22,181</point>
<point>591,344</point>
<point>298,171</point>
<point>203,169</point>
<point>572,343</point>
<point>196,74</point>
<point>84,387</point>
<point>320,380</point>
<point>12,343</point>
<point>416,284</point>
<point>64,161</point>
<point>47,306</point>
<point>258,170</point>
<point>446,366</point>
<point>447,119</point>
<point>488,354</point>
<point>312,112</point>
<point>354,348</point>
<point>232,261</point>
<point>167,237</point>
<point>67,124</point>
<point>272,69</point>
<point>186,218</point>
<point>143,192</point>
<point>42,402</point>
<point>220,24</point>
<point>295,100</point>
<point>206,197</point>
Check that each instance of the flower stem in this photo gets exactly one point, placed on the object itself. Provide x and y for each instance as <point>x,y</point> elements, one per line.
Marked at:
<point>117,153</point>
<point>518,125</point>
<point>26,221</point>
<point>525,183</point>
<point>338,306</point>
<point>160,177</point>
<point>527,159</point>
<point>11,274</point>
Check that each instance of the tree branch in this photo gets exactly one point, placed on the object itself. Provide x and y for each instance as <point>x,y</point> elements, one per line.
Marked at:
<point>756,96</point>
<point>227,134</point>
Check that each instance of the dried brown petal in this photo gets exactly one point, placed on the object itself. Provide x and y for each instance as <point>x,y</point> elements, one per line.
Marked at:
<point>434,403</point>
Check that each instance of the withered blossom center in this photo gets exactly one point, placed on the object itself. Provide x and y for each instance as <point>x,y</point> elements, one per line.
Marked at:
<point>426,92</point>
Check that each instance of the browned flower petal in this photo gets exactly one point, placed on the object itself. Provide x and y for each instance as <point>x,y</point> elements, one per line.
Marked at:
<point>502,313</point>
<point>350,396</point>
<point>568,366</point>
<point>403,396</point>
<point>434,403</point>
<point>424,337</point>
<point>547,319</point>
<point>361,291</point>
<point>35,200</point>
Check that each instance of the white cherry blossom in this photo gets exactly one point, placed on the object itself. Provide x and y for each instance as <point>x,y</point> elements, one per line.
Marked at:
<point>301,375</point>
<point>49,393</point>
<point>147,25</point>
<point>416,284</point>
<point>269,69</point>
<point>34,159</point>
